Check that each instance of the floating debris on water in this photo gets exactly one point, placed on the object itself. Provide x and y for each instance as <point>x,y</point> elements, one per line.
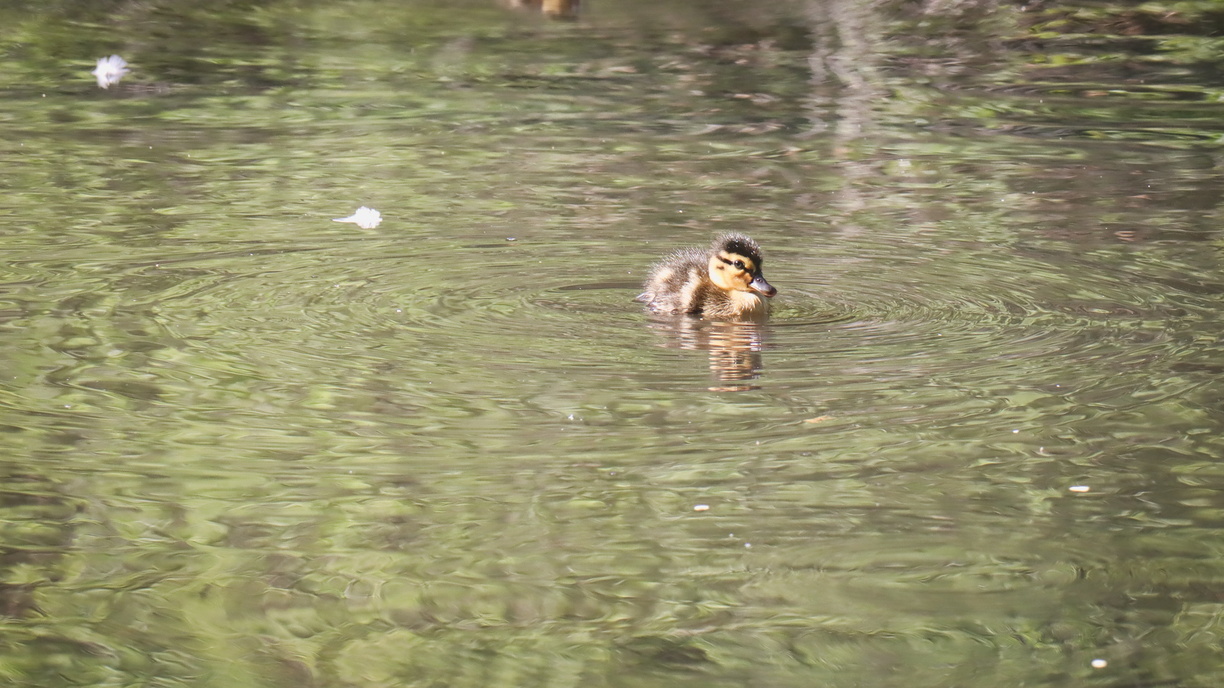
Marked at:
<point>365,218</point>
<point>701,507</point>
<point>110,70</point>
<point>1079,488</point>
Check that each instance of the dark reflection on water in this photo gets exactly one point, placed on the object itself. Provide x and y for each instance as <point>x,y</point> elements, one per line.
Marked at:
<point>249,446</point>
<point>734,348</point>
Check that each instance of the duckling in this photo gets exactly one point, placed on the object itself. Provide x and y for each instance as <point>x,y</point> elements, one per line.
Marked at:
<point>723,282</point>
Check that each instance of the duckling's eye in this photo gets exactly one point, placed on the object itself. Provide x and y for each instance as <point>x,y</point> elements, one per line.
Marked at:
<point>739,265</point>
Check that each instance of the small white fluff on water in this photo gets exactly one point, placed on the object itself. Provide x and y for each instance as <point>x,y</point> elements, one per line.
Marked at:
<point>110,70</point>
<point>1079,488</point>
<point>1099,664</point>
<point>365,218</point>
<point>701,507</point>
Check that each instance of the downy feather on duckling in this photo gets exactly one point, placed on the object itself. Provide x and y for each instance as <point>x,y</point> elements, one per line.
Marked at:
<point>722,282</point>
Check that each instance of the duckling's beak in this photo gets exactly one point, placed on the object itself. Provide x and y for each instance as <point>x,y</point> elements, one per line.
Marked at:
<point>760,286</point>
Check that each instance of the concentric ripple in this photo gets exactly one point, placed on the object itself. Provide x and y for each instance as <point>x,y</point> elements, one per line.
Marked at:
<point>298,337</point>
<point>490,336</point>
<point>1000,338</point>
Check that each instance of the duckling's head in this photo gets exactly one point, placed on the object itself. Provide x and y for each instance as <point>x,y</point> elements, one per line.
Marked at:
<point>735,265</point>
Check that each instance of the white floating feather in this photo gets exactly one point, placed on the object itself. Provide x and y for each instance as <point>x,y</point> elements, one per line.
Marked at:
<point>365,218</point>
<point>110,70</point>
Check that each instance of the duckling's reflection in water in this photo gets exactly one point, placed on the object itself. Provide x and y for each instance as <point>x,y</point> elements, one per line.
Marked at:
<point>555,9</point>
<point>734,348</point>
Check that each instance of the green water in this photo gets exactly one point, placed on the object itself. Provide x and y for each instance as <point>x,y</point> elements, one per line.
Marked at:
<point>245,445</point>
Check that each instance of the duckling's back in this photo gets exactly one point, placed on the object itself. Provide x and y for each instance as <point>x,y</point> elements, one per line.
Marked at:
<point>679,283</point>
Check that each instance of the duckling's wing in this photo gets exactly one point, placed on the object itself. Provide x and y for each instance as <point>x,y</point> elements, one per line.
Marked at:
<point>668,278</point>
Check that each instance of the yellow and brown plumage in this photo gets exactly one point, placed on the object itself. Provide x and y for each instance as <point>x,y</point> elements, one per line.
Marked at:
<point>723,282</point>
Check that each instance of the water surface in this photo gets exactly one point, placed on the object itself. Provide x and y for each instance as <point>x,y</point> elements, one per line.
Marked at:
<point>249,446</point>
